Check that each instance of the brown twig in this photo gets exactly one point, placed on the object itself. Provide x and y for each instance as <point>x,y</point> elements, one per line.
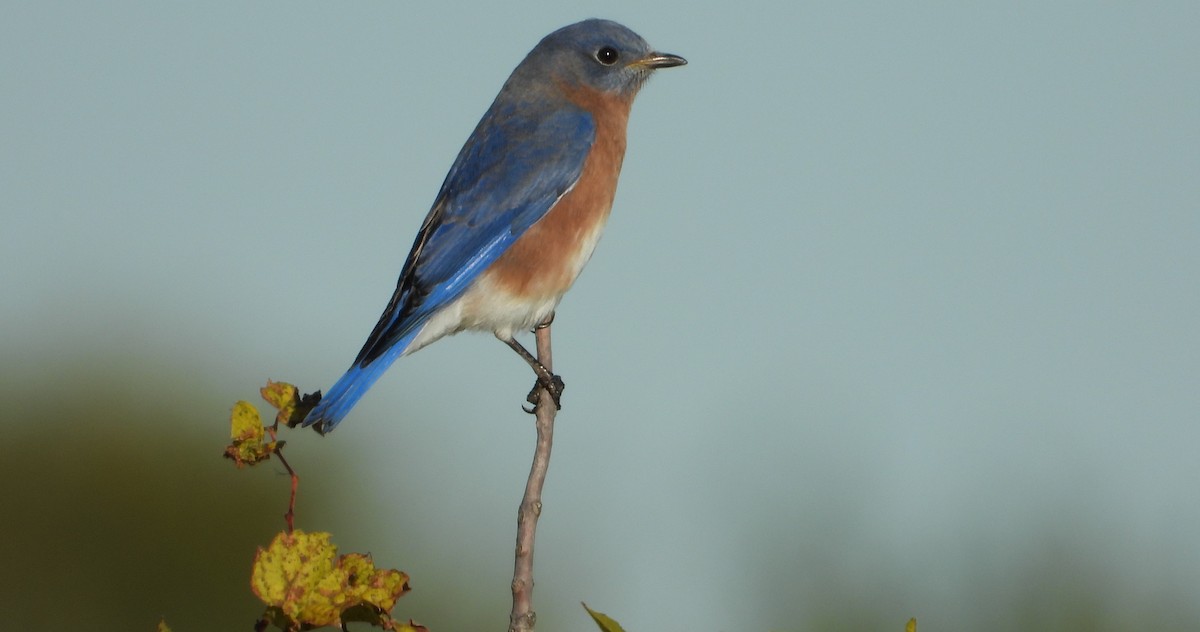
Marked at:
<point>290,516</point>
<point>522,618</point>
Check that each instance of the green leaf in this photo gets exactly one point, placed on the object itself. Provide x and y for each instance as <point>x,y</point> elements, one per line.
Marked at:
<point>604,621</point>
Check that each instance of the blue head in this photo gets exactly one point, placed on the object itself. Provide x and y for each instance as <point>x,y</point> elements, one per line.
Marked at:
<point>596,54</point>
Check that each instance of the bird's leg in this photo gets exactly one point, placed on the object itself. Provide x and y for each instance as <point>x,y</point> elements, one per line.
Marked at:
<point>544,324</point>
<point>545,379</point>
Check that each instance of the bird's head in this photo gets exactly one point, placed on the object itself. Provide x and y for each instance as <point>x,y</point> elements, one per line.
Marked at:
<point>596,54</point>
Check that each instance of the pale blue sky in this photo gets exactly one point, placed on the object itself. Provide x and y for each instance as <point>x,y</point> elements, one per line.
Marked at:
<point>899,297</point>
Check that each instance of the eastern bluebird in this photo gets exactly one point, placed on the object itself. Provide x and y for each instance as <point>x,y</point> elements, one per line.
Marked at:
<point>521,209</point>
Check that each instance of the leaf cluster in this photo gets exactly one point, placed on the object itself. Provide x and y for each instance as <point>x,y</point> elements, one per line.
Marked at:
<point>299,575</point>
<point>250,443</point>
<point>306,585</point>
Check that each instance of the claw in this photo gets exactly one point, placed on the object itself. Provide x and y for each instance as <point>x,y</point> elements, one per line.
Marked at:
<point>555,388</point>
<point>545,379</point>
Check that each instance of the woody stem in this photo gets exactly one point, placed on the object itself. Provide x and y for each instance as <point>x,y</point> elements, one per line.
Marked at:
<point>522,617</point>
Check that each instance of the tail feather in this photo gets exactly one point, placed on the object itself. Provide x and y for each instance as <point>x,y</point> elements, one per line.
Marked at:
<point>345,393</point>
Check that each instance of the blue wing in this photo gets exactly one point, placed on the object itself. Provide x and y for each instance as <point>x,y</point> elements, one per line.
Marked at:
<point>507,176</point>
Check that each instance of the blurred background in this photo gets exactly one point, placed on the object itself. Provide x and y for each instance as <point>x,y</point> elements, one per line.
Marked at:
<point>896,316</point>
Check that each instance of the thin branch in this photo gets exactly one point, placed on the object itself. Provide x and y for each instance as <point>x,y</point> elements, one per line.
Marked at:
<point>522,618</point>
<point>290,516</point>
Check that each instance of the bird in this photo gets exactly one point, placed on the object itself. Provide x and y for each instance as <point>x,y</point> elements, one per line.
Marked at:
<point>520,211</point>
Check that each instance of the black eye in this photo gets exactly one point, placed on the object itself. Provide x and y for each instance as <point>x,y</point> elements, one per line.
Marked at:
<point>607,55</point>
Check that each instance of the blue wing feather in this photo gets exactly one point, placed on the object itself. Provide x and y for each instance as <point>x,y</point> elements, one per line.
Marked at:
<point>505,179</point>
<point>514,167</point>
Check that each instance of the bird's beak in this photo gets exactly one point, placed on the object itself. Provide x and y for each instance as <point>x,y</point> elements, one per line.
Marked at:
<point>660,60</point>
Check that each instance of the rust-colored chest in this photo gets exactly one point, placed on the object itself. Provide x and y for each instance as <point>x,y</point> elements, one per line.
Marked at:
<point>546,260</point>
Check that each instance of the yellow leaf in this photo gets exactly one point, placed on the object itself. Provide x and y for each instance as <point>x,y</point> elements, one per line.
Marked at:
<point>912,625</point>
<point>245,424</point>
<point>303,579</point>
<point>246,430</point>
<point>367,584</point>
<point>287,399</point>
<point>604,621</point>
<point>288,574</point>
<point>282,396</point>
<point>162,626</point>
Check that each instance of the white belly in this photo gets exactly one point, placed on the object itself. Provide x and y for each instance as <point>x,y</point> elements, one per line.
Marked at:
<point>489,305</point>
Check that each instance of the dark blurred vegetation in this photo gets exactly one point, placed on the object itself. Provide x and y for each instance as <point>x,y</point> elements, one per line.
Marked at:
<point>116,508</point>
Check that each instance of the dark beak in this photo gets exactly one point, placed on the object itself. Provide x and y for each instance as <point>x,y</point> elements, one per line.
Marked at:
<point>661,60</point>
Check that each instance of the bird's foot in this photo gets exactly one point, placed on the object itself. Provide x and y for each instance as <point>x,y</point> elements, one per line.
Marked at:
<point>554,385</point>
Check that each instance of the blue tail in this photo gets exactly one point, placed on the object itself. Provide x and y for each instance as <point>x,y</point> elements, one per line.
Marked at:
<point>350,388</point>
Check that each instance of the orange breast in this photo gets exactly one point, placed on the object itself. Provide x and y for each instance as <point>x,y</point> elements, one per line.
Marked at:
<point>544,262</point>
